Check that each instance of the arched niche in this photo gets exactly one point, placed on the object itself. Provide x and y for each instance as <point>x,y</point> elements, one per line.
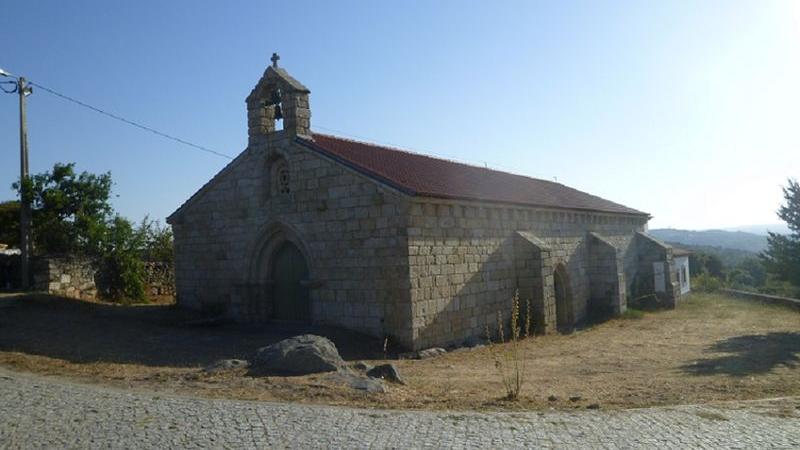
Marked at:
<point>563,298</point>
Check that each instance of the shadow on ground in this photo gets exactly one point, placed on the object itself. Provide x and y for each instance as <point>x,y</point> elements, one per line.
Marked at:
<point>152,335</point>
<point>749,355</point>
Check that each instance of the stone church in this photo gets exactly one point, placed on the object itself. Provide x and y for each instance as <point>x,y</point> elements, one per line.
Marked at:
<point>309,227</point>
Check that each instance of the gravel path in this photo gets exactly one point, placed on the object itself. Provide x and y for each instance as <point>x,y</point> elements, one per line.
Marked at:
<point>40,412</point>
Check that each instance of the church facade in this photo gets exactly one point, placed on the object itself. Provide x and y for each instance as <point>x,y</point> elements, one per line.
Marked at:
<point>315,228</point>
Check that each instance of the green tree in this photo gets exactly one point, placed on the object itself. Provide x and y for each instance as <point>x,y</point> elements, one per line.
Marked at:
<point>122,246</point>
<point>696,263</point>
<point>753,269</point>
<point>714,266</point>
<point>702,262</point>
<point>782,257</point>
<point>70,211</point>
<point>159,242</point>
<point>738,278</point>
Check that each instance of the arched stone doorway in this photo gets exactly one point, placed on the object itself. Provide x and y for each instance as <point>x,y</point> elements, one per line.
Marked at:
<point>279,277</point>
<point>289,276</point>
<point>563,294</point>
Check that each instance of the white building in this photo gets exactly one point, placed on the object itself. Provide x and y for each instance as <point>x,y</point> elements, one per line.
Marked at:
<point>680,267</point>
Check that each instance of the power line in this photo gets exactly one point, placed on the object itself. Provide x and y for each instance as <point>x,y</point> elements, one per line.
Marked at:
<point>214,152</point>
<point>8,91</point>
<point>130,122</point>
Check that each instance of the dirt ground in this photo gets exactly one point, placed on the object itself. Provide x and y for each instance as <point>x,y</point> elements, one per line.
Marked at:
<point>710,348</point>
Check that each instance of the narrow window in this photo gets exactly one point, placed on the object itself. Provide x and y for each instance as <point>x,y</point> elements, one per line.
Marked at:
<point>280,177</point>
<point>283,179</point>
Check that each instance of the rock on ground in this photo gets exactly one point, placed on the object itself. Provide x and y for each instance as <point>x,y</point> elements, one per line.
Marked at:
<point>424,354</point>
<point>357,382</point>
<point>298,355</point>
<point>387,372</point>
<point>431,352</point>
<point>362,366</point>
<point>226,364</point>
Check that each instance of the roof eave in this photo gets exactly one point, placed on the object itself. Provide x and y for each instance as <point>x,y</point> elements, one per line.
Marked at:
<point>533,205</point>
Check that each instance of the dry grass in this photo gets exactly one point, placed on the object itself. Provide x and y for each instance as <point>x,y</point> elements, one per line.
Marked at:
<point>710,348</point>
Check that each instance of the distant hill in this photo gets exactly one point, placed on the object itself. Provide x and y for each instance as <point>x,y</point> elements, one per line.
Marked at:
<point>780,228</point>
<point>738,240</point>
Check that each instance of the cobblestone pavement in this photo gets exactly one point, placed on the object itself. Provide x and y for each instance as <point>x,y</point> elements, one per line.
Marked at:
<point>38,412</point>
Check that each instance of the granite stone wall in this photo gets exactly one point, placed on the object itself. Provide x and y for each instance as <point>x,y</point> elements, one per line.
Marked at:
<point>66,276</point>
<point>534,267</point>
<point>467,259</point>
<point>159,279</point>
<point>350,229</point>
<point>83,277</point>
<point>606,278</point>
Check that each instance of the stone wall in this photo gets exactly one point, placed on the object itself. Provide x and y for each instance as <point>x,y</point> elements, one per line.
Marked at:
<point>652,255</point>
<point>465,266</point>
<point>66,276</point>
<point>533,263</point>
<point>350,229</point>
<point>80,277</point>
<point>606,278</point>
<point>159,279</point>
<point>764,298</point>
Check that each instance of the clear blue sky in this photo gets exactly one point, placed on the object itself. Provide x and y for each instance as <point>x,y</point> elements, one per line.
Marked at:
<point>687,110</point>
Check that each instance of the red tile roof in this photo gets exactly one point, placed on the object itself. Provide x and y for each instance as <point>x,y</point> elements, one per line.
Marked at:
<point>426,176</point>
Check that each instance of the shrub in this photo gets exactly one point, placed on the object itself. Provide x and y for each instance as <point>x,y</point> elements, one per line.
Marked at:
<point>122,261</point>
<point>706,283</point>
<point>158,242</point>
<point>509,362</point>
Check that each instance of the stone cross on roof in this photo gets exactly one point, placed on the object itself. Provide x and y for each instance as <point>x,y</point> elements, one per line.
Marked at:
<point>274,60</point>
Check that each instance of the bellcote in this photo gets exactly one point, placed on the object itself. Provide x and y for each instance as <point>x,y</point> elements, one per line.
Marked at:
<point>277,96</point>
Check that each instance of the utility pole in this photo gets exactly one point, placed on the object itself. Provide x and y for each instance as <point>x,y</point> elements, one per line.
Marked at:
<point>24,201</point>
<point>22,88</point>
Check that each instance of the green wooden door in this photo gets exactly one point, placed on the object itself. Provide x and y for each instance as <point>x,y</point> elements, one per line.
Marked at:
<point>290,289</point>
